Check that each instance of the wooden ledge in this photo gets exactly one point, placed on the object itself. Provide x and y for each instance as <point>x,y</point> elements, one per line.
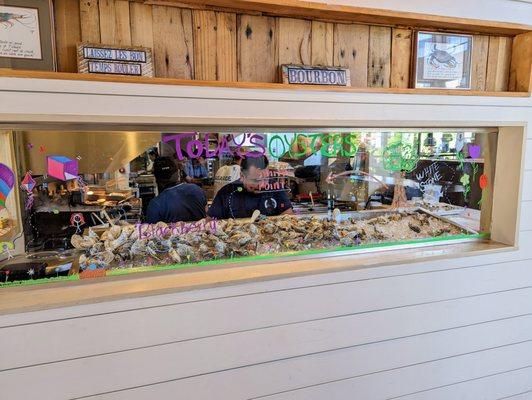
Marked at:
<point>63,294</point>
<point>9,73</point>
<point>341,13</point>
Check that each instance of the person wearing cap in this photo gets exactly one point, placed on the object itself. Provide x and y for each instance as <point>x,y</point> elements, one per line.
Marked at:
<point>241,198</point>
<point>228,173</point>
<point>177,201</point>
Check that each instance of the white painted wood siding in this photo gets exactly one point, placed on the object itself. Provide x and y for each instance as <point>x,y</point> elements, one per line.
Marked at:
<point>451,329</point>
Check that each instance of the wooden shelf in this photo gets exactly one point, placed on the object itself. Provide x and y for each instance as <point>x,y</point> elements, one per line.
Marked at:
<point>340,13</point>
<point>244,85</point>
<point>63,294</point>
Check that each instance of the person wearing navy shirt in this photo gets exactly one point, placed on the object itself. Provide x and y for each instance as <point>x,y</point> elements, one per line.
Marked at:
<point>176,201</point>
<point>241,198</point>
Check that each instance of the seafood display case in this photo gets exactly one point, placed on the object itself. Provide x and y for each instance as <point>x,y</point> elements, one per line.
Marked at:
<point>318,192</point>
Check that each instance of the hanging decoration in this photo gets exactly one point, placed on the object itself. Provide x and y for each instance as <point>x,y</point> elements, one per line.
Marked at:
<point>27,185</point>
<point>7,181</point>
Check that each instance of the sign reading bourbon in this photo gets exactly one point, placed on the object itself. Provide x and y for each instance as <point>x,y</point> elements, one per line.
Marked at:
<point>311,75</point>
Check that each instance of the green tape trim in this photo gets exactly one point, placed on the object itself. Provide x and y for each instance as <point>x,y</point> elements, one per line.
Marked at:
<point>263,257</point>
<point>53,279</point>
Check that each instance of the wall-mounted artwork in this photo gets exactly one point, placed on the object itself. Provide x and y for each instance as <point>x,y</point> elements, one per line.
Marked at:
<point>26,35</point>
<point>443,60</point>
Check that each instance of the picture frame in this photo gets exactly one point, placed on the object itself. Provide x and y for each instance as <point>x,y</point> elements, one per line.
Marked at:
<point>27,35</point>
<point>442,60</point>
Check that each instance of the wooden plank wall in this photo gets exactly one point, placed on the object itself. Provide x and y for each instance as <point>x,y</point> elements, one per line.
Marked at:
<point>225,46</point>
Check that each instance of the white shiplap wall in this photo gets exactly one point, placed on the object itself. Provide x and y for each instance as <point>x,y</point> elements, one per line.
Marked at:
<point>451,329</point>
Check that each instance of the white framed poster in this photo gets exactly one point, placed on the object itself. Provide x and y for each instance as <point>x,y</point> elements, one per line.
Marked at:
<point>443,60</point>
<point>19,33</point>
<point>27,35</point>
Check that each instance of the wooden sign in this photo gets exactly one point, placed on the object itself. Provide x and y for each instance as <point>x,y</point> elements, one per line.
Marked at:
<point>115,60</point>
<point>311,75</point>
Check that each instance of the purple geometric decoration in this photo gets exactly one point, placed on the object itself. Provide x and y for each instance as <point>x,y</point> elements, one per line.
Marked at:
<point>474,151</point>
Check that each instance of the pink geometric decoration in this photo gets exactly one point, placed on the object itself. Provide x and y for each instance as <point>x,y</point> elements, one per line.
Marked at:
<point>62,168</point>
<point>28,183</point>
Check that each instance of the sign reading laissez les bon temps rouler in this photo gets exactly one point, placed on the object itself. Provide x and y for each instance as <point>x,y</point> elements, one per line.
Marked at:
<point>114,60</point>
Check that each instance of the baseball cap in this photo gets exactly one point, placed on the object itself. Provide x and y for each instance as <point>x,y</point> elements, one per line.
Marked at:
<point>164,168</point>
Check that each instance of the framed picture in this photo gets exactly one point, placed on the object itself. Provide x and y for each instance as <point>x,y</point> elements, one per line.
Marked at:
<point>442,60</point>
<point>27,35</point>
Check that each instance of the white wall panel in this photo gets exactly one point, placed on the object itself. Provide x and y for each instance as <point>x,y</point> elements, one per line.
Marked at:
<point>291,374</point>
<point>526,216</point>
<point>527,185</point>
<point>528,155</point>
<point>522,396</point>
<point>493,387</point>
<point>204,355</point>
<point>167,324</point>
<point>400,382</point>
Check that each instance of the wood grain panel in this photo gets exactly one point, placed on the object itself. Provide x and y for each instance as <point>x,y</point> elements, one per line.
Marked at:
<point>264,379</point>
<point>258,57</point>
<point>115,23</point>
<point>401,57</point>
<point>379,59</point>
<point>479,62</point>
<point>181,321</point>
<point>521,63</point>
<point>172,37</point>
<point>351,44</point>
<point>107,20</point>
<point>498,69</point>
<point>226,62</point>
<point>322,43</point>
<point>90,21</point>
<point>67,34</point>
<point>141,20</point>
<point>344,13</point>
<point>182,359</point>
<point>294,41</point>
<point>205,32</point>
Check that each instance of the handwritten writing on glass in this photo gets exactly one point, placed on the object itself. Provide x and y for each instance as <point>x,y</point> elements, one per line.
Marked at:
<point>195,148</point>
<point>147,231</point>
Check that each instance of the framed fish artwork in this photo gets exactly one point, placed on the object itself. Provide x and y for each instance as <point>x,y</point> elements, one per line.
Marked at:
<point>27,35</point>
